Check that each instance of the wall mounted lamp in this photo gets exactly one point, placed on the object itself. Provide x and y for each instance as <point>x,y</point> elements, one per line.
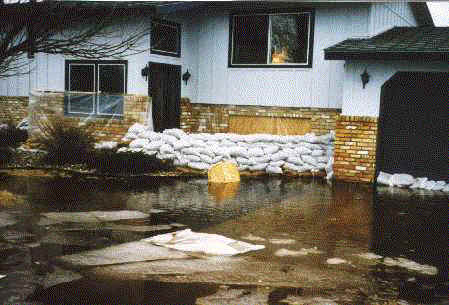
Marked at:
<point>365,78</point>
<point>186,76</point>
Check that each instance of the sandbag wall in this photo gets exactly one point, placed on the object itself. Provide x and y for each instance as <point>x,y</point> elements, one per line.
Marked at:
<point>256,152</point>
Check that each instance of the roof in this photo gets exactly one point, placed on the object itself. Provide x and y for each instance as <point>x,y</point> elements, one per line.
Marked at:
<point>416,43</point>
<point>422,14</point>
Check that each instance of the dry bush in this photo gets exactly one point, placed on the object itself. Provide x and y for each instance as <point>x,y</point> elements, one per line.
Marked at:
<point>64,142</point>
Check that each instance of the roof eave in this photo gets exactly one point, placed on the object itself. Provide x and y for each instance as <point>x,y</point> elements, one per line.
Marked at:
<point>422,14</point>
<point>415,56</point>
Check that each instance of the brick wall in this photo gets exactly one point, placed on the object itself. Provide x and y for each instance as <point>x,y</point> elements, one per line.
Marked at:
<point>355,148</point>
<point>13,107</point>
<point>197,117</point>
<point>50,104</point>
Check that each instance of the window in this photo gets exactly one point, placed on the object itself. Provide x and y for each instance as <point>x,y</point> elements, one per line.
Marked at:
<point>165,38</point>
<point>271,40</point>
<point>95,87</point>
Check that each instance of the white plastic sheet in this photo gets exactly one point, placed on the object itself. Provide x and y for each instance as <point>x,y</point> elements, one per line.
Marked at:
<point>209,244</point>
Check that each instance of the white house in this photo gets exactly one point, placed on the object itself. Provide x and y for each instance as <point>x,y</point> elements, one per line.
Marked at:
<point>253,67</point>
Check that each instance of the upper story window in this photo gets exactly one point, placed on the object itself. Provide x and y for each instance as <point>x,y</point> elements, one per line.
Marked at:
<point>95,88</point>
<point>165,38</point>
<point>271,40</point>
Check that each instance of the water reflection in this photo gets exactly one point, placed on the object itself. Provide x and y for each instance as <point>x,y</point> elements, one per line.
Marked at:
<point>340,220</point>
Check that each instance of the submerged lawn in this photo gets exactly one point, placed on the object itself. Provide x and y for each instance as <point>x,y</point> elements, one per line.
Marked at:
<point>305,224</point>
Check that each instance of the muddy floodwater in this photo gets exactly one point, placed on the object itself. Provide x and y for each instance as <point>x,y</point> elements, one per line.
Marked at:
<point>324,243</point>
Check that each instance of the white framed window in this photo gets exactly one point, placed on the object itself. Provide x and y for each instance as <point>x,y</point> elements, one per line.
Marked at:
<point>271,39</point>
<point>95,88</point>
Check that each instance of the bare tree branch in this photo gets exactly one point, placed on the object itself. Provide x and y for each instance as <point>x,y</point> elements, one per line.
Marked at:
<point>57,27</point>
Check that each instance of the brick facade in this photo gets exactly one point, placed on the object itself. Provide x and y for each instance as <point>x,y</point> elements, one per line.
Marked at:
<point>197,117</point>
<point>106,129</point>
<point>355,148</point>
<point>13,107</point>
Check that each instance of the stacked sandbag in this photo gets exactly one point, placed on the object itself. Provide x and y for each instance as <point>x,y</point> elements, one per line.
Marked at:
<point>272,154</point>
<point>408,181</point>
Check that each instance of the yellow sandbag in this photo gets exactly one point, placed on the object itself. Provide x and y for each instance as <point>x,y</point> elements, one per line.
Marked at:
<point>223,172</point>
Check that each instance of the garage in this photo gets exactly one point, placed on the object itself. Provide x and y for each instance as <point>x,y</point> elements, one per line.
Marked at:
<point>395,106</point>
<point>413,125</point>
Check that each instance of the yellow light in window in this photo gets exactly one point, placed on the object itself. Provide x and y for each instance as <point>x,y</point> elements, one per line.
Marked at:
<point>279,57</point>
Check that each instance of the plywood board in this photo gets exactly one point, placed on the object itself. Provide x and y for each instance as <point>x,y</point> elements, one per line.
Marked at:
<point>242,124</point>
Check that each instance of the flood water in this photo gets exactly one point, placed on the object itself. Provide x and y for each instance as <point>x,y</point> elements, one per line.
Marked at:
<point>287,215</point>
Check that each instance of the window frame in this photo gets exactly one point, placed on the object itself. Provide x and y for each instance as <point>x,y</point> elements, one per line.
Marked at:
<point>170,24</point>
<point>311,13</point>
<point>96,79</point>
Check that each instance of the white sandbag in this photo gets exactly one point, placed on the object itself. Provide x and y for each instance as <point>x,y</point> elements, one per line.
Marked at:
<point>209,244</point>
<point>190,151</point>
<point>258,167</point>
<point>199,165</point>
<point>306,168</point>
<point>309,160</point>
<point>238,151</point>
<point>295,160</point>
<point>138,143</point>
<point>243,168</point>
<point>321,165</point>
<point>220,136</point>
<point>220,151</point>
<point>317,153</point>
<point>206,151</point>
<point>255,152</point>
<point>206,137</point>
<point>329,175</point>
<point>277,163</point>
<point>262,159</point>
<point>446,188</point>
<point>384,178</point>
<point>280,155</point>
<point>135,150</point>
<point>153,145</point>
<point>289,151</point>
<point>136,129</point>
<point>180,144</point>
<point>401,180</point>
<point>322,159</point>
<point>243,144</point>
<point>192,158</point>
<point>217,159</point>
<point>206,159</point>
<point>269,150</point>
<point>176,132</point>
<point>149,152</point>
<point>232,137</point>
<point>162,156</point>
<point>302,150</point>
<point>310,138</point>
<point>244,161</point>
<point>212,143</point>
<point>227,143</point>
<point>196,137</point>
<point>273,169</point>
<point>439,185</point>
<point>291,166</point>
<point>310,146</point>
<point>166,149</point>
<point>429,184</point>
<point>169,139</point>
<point>419,183</point>
<point>198,143</point>
<point>106,145</point>
<point>122,149</point>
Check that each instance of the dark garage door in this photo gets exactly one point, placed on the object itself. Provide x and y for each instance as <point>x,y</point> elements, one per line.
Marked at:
<point>413,125</point>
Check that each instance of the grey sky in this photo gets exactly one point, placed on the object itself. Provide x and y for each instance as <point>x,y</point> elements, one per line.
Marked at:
<point>440,12</point>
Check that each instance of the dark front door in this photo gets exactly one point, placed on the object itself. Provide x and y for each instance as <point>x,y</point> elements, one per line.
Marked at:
<point>413,125</point>
<point>165,91</point>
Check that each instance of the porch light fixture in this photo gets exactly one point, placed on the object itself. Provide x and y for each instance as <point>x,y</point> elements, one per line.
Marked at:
<point>186,76</point>
<point>365,78</point>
